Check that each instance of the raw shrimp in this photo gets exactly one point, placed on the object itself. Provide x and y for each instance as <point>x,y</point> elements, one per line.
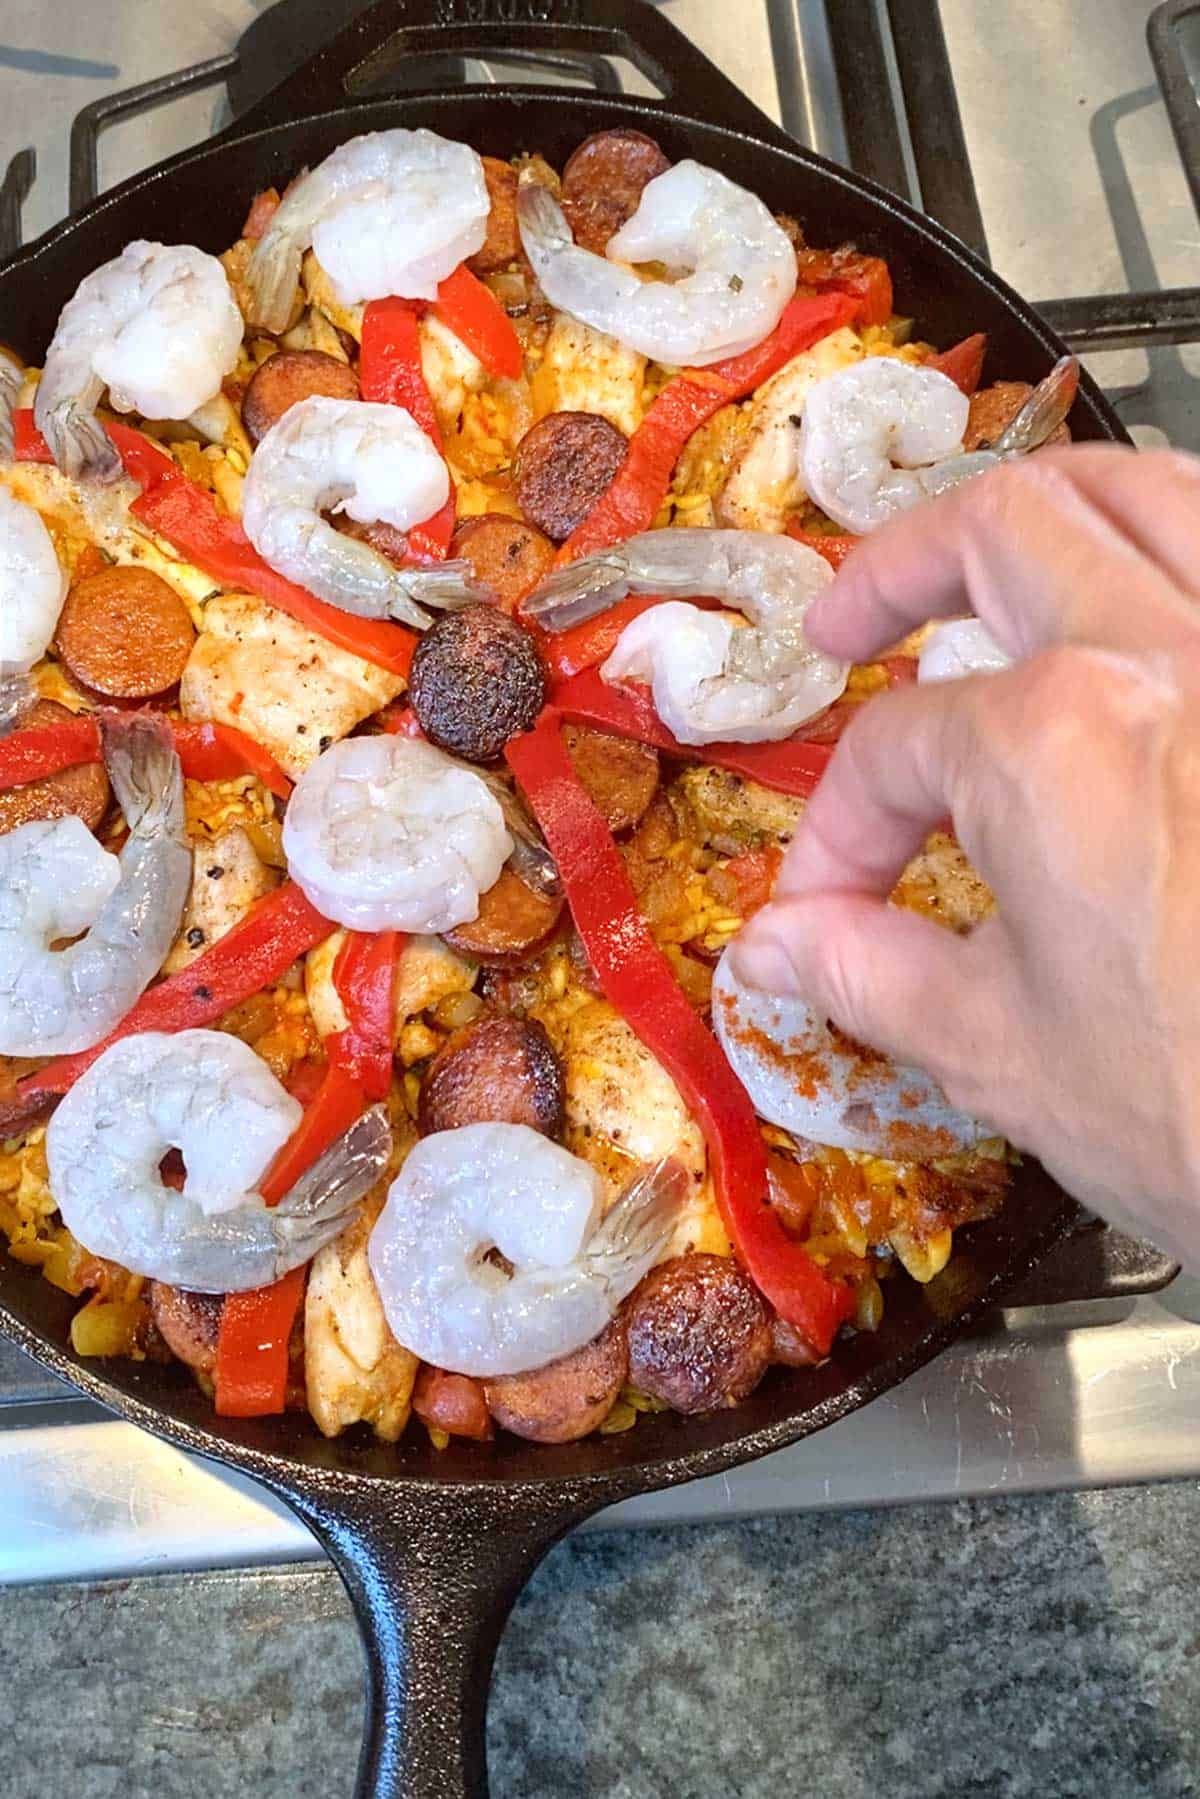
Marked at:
<point>742,267</point>
<point>386,833</point>
<point>32,589</point>
<point>209,1096</point>
<point>463,1195</point>
<point>392,212</point>
<point>883,435</point>
<point>809,1078</point>
<point>158,326</point>
<point>374,464</point>
<point>961,646</point>
<point>56,881</point>
<point>712,681</point>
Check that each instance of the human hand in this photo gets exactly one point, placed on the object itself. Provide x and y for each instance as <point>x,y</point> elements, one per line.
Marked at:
<point>1070,1019</point>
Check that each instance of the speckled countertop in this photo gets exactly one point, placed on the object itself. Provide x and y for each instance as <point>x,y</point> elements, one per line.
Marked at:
<point>1039,1648</point>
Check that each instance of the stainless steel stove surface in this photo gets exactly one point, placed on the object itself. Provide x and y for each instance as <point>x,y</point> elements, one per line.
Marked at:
<point>1078,189</point>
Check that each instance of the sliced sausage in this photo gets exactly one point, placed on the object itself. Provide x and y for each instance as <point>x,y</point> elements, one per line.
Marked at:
<point>79,792</point>
<point>504,554</point>
<point>477,680</point>
<point>502,244</point>
<point>498,1070</point>
<point>699,1333</point>
<point>513,924</point>
<point>124,633</point>
<point>387,539</point>
<point>994,408</point>
<point>566,1399</point>
<point>451,1402</point>
<point>19,1110</point>
<point>288,376</point>
<point>621,776</point>
<point>562,466</point>
<point>603,181</point>
<point>189,1323</point>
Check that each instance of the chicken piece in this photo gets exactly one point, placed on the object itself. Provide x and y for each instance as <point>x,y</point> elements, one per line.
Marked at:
<point>941,884</point>
<point>585,371</point>
<point>355,1371</point>
<point>292,691</point>
<point>427,971</point>
<point>318,290</point>
<point>764,486</point>
<point>731,814</point>
<point>219,422</point>
<point>314,332</point>
<point>227,877</point>
<point>451,371</point>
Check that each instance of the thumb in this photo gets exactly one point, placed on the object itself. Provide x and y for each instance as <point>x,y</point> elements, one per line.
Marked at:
<point>886,977</point>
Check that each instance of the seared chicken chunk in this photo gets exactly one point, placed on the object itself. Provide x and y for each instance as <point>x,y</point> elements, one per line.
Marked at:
<point>585,371</point>
<point>227,878</point>
<point>355,1371</point>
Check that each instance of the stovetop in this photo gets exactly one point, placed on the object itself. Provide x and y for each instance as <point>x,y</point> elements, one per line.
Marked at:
<point>1050,147</point>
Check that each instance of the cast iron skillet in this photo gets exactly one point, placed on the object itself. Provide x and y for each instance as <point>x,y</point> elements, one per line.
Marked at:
<point>435,1547</point>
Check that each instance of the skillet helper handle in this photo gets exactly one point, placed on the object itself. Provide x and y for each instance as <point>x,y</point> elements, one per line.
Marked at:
<point>432,1572</point>
<point>359,59</point>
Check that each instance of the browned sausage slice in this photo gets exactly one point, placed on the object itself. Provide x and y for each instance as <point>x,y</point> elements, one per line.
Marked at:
<point>476,680</point>
<point>514,923</point>
<point>288,376</point>
<point>504,554</point>
<point>189,1323</point>
<point>603,181</point>
<point>566,1399</point>
<point>621,776</point>
<point>502,244</point>
<point>562,466</point>
<point>699,1333</point>
<point>994,408</point>
<point>79,792</point>
<point>124,633</point>
<point>499,1070</point>
<point>19,1110</point>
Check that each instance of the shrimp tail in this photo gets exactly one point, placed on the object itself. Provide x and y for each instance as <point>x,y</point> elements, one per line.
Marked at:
<point>446,586</point>
<point>79,443</point>
<point>271,279</point>
<point>579,591</point>
<point>541,220</point>
<point>17,694</point>
<point>633,1235</point>
<point>531,858</point>
<point>320,1204</point>
<point>1043,412</point>
<point>145,771</point>
<point>11,378</point>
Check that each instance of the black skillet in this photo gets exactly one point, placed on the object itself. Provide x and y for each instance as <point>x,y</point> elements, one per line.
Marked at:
<point>435,1547</point>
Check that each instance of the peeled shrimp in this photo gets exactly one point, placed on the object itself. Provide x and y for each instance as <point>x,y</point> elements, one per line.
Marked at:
<point>883,435</point>
<point>807,1077</point>
<point>372,463</point>
<point>467,1193</point>
<point>209,1096</point>
<point>158,326</point>
<point>391,212</point>
<point>56,881</point>
<point>32,590</point>
<point>961,646</point>
<point>712,681</point>
<point>742,267</point>
<point>386,833</point>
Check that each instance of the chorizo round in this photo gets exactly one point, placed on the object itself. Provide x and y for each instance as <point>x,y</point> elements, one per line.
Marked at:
<point>188,1323</point>
<point>476,680</point>
<point>288,376</point>
<point>504,555</point>
<point>699,1333</point>
<point>79,792</point>
<point>124,633</point>
<point>621,776</point>
<point>562,466</point>
<point>603,181</point>
<point>499,1070</point>
<point>502,244</point>
<point>513,923</point>
<point>566,1399</point>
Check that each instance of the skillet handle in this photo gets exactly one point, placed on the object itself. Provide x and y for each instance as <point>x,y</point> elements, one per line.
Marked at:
<point>433,1571</point>
<point>359,60</point>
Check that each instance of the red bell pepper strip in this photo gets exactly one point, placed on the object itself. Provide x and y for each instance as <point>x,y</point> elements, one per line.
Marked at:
<point>637,980</point>
<point>187,517</point>
<point>365,977</point>
<point>474,314</point>
<point>208,752</point>
<point>963,363</point>
<point>389,373</point>
<point>453,1403</point>
<point>260,947</point>
<point>834,549</point>
<point>793,766</point>
<point>252,1348</point>
<point>640,485</point>
<point>866,279</point>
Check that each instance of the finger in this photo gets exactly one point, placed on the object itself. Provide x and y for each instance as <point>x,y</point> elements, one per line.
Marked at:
<point>1152,498</point>
<point>1027,549</point>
